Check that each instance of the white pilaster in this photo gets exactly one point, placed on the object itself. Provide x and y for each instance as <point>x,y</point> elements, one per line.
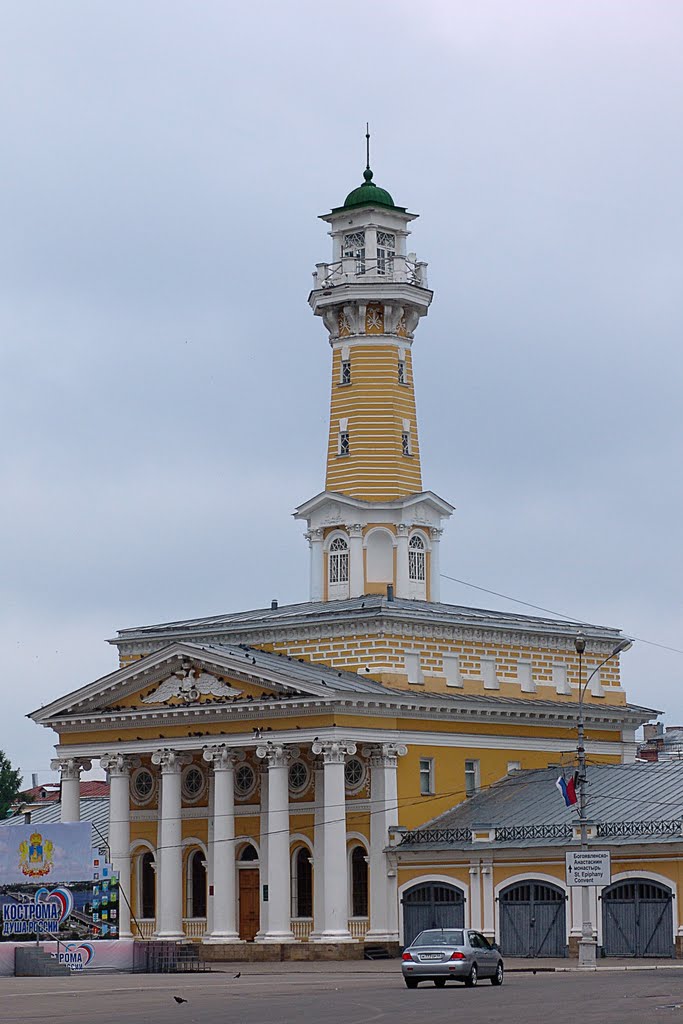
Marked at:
<point>336,897</point>
<point>402,581</point>
<point>475,898</point>
<point>70,778</point>
<point>278,758</point>
<point>315,541</point>
<point>118,768</point>
<point>169,918</point>
<point>488,900</point>
<point>356,572</point>
<point>384,802</point>
<point>222,843</point>
<point>435,564</point>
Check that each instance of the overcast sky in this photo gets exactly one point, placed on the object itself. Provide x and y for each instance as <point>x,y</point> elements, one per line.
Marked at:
<point>165,387</point>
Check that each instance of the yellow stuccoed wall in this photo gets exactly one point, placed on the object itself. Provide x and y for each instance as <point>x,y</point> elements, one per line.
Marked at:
<point>375,405</point>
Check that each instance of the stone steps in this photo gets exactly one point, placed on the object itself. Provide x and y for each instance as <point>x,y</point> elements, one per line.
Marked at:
<point>34,962</point>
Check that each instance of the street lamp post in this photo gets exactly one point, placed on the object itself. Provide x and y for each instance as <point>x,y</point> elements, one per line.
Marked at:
<point>587,944</point>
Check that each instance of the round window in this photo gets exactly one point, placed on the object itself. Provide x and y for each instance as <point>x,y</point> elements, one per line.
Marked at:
<point>245,780</point>
<point>193,782</point>
<point>142,784</point>
<point>298,776</point>
<point>354,773</point>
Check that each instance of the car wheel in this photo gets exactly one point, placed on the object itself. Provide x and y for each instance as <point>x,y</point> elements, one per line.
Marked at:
<point>497,978</point>
<point>439,982</point>
<point>471,979</point>
<point>411,982</point>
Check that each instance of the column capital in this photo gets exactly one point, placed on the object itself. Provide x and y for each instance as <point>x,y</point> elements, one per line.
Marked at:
<point>436,533</point>
<point>171,761</point>
<point>119,764</point>
<point>70,767</point>
<point>355,529</point>
<point>385,755</point>
<point>276,755</point>
<point>333,751</point>
<point>222,757</point>
<point>402,529</point>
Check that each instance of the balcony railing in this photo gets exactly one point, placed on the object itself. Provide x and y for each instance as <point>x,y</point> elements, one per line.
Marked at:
<point>195,927</point>
<point>398,269</point>
<point>143,928</point>
<point>302,927</point>
<point>358,926</point>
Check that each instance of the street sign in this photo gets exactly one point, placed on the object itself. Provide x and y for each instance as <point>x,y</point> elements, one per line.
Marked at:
<point>588,867</point>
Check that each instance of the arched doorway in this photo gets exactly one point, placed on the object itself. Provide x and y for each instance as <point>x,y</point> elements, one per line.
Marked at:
<point>249,902</point>
<point>146,886</point>
<point>195,885</point>
<point>431,905</point>
<point>637,918</point>
<point>533,919</point>
<point>359,881</point>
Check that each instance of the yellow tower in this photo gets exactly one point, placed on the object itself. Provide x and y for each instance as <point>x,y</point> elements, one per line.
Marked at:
<point>373,526</point>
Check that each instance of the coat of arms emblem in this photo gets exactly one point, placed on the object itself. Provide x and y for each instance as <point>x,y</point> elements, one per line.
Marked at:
<point>36,856</point>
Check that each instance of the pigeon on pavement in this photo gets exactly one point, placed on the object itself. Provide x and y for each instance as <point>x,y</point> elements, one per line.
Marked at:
<point>179,999</point>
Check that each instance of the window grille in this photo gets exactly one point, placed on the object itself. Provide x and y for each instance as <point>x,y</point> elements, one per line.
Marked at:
<point>142,785</point>
<point>354,773</point>
<point>345,371</point>
<point>354,248</point>
<point>192,782</point>
<point>386,250</point>
<point>344,445</point>
<point>245,779</point>
<point>298,776</point>
<point>402,379</point>
<point>339,561</point>
<point>405,443</point>
<point>416,559</point>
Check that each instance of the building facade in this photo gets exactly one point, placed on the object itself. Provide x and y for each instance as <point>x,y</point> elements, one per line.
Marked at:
<point>258,760</point>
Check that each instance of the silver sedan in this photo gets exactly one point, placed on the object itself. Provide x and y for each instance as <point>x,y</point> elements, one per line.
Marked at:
<point>457,954</point>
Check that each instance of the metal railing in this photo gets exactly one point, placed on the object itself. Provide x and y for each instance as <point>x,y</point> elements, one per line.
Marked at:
<point>398,269</point>
<point>561,831</point>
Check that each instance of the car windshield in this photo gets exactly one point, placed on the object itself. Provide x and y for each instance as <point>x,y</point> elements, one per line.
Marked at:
<point>440,937</point>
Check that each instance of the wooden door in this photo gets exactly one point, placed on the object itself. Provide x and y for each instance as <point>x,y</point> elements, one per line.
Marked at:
<point>250,917</point>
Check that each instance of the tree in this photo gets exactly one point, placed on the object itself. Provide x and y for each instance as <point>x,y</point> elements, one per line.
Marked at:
<point>10,782</point>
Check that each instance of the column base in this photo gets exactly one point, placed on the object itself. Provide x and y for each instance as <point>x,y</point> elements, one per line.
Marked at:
<point>587,953</point>
<point>380,936</point>
<point>221,937</point>
<point>333,936</point>
<point>170,936</point>
<point>276,937</point>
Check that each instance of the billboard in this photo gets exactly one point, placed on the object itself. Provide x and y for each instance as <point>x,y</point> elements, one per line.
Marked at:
<point>46,853</point>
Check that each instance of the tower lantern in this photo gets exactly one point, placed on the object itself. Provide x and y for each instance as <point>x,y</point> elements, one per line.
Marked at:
<point>373,525</point>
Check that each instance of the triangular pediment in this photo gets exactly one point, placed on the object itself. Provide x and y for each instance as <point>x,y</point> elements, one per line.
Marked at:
<point>189,675</point>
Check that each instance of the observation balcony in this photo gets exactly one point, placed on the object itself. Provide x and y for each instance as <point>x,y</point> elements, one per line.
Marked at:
<point>360,270</point>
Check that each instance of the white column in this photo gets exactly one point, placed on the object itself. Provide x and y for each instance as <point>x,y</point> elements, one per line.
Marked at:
<point>209,861</point>
<point>435,564</point>
<point>263,853</point>
<point>475,898</point>
<point>224,915</point>
<point>318,852</point>
<point>402,582</point>
<point>336,898</point>
<point>169,919</point>
<point>118,768</point>
<point>384,802</point>
<point>356,572</point>
<point>278,758</point>
<point>70,772</point>
<point>315,540</point>
<point>488,900</point>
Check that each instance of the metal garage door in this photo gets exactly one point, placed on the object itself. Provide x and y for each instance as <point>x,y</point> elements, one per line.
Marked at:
<point>432,905</point>
<point>533,920</point>
<point>637,919</point>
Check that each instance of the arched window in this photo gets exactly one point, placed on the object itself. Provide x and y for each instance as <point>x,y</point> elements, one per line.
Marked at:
<point>302,883</point>
<point>416,559</point>
<point>146,897</point>
<point>338,568</point>
<point>196,884</point>
<point>248,853</point>
<point>359,882</point>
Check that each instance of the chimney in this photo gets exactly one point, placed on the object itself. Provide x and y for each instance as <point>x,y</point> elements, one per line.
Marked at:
<point>34,780</point>
<point>390,591</point>
<point>273,604</point>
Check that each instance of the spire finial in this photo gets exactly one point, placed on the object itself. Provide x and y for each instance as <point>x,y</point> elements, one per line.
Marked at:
<point>367,173</point>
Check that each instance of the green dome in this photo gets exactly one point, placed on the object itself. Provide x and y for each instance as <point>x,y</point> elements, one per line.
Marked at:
<point>368,194</point>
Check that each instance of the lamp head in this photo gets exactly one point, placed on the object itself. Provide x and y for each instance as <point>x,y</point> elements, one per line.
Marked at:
<point>623,645</point>
<point>579,643</point>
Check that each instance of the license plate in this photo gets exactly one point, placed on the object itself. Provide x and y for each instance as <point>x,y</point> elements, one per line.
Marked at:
<point>431,956</point>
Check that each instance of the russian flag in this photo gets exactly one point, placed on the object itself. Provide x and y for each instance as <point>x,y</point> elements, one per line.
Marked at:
<point>567,788</point>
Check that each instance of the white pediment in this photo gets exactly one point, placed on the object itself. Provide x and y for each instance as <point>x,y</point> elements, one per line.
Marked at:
<point>189,687</point>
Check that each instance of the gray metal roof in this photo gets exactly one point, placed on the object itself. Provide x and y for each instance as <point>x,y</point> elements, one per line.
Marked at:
<point>369,606</point>
<point>626,801</point>
<point>94,809</point>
